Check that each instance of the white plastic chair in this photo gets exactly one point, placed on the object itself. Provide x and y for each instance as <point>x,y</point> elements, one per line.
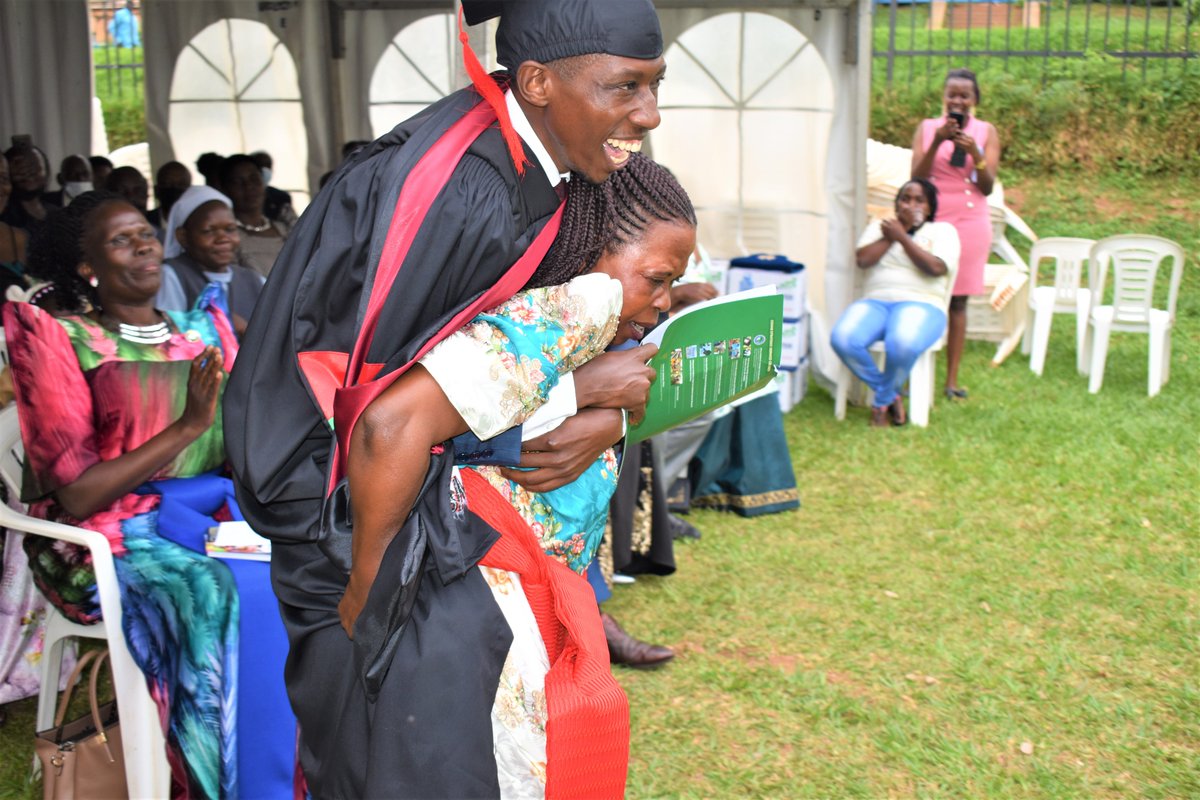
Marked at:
<point>1066,296</point>
<point>920,380</point>
<point>146,769</point>
<point>1135,260</point>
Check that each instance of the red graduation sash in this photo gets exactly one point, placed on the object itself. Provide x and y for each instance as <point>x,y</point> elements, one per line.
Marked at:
<point>587,728</point>
<point>344,387</point>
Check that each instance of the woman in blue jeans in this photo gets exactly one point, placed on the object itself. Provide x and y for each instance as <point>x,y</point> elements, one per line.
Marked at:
<point>909,261</point>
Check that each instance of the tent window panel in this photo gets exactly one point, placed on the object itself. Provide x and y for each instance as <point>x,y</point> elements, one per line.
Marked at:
<point>803,238</point>
<point>274,79</point>
<point>416,69</point>
<point>397,80</point>
<point>235,90</point>
<point>210,54</point>
<point>278,128</point>
<point>754,159</point>
<point>701,147</point>
<point>784,159</point>
<point>690,83</point>
<point>769,46</point>
<point>803,82</point>
<point>778,94</point>
<point>717,231</point>
<point>386,116</point>
<point>204,127</point>
<point>709,43</point>
<point>198,77</point>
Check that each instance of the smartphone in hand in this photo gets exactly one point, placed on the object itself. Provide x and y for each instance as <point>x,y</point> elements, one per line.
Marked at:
<point>959,157</point>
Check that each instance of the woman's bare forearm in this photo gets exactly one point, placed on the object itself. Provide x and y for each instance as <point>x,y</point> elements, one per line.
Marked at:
<point>105,482</point>
<point>389,456</point>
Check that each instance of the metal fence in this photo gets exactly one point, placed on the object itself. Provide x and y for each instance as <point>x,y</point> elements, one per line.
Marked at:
<point>1142,39</point>
<point>116,48</point>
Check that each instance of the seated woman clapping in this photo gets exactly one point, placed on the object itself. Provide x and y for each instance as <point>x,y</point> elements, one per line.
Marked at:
<point>119,405</point>
<point>910,261</point>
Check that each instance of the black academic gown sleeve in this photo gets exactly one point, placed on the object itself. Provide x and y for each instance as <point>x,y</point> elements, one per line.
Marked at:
<point>278,442</point>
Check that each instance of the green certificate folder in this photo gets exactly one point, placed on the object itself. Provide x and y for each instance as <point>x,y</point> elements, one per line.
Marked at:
<point>711,354</point>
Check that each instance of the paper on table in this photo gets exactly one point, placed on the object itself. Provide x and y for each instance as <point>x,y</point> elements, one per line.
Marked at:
<point>237,540</point>
<point>711,354</point>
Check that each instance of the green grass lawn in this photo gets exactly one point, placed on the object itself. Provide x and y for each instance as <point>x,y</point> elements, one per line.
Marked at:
<point>1025,570</point>
<point>1020,576</point>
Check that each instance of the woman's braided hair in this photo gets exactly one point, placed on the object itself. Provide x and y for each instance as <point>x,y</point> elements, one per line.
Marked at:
<point>56,250</point>
<point>608,216</point>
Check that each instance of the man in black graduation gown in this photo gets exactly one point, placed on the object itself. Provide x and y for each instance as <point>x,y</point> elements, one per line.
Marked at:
<point>388,714</point>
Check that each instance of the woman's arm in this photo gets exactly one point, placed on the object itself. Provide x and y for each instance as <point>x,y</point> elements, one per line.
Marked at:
<point>987,170</point>
<point>389,456</point>
<point>922,159</point>
<point>56,414</point>
<point>616,379</point>
<point>986,162</point>
<point>101,484</point>
<point>869,254</point>
<point>924,260</point>
<point>557,458</point>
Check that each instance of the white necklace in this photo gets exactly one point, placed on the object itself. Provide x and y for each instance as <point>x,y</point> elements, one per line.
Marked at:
<point>144,334</point>
<point>254,228</point>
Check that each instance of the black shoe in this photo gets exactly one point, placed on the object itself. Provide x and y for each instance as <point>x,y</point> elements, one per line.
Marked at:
<point>627,651</point>
<point>681,529</point>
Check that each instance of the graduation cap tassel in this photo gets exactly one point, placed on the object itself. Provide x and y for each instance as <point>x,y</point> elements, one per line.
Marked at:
<point>491,92</point>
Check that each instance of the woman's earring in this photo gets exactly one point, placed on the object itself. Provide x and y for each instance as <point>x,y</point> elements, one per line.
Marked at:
<point>93,281</point>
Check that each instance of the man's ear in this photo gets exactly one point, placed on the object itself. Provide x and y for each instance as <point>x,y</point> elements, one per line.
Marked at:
<point>535,83</point>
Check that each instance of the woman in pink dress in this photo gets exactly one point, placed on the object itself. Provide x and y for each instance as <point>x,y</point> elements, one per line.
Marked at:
<point>962,196</point>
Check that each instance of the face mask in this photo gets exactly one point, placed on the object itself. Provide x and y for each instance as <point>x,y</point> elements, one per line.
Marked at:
<point>75,188</point>
<point>266,173</point>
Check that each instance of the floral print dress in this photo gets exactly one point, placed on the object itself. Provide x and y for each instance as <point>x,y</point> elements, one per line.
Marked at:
<point>86,395</point>
<point>496,372</point>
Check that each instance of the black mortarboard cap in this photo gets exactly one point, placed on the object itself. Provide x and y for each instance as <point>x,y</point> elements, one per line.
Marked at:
<point>545,30</point>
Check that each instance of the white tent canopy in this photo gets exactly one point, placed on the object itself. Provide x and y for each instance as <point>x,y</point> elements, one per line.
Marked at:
<point>765,106</point>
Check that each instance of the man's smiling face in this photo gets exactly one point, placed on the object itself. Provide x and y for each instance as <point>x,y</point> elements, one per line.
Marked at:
<point>600,108</point>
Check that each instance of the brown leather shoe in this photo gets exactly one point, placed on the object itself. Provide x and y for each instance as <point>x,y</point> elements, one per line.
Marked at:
<point>627,651</point>
<point>897,411</point>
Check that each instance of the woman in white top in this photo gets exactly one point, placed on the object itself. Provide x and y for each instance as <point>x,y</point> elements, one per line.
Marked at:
<point>910,260</point>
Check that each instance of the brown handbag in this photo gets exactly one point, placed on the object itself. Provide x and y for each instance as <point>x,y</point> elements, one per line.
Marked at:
<point>83,759</point>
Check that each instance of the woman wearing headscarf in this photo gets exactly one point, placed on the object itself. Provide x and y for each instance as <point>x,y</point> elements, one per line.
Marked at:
<point>201,248</point>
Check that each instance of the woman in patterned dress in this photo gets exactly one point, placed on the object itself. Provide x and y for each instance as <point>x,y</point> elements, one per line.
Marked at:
<point>120,417</point>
